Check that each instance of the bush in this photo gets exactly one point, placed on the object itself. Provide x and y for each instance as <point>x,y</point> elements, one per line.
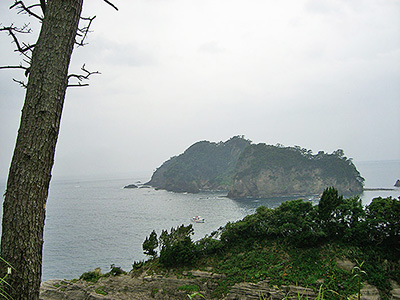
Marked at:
<point>383,221</point>
<point>115,271</point>
<point>91,276</point>
<point>177,248</point>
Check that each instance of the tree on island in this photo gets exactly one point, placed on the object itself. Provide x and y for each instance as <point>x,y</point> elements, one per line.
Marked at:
<point>46,65</point>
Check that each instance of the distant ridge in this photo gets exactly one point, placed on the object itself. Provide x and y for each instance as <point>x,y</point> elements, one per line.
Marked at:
<point>249,170</point>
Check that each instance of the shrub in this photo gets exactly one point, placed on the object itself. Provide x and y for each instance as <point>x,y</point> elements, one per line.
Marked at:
<point>177,247</point>
<point>100,290</point>
<point>91,276</point>
<point>115,271</point>
<point>383,222</point>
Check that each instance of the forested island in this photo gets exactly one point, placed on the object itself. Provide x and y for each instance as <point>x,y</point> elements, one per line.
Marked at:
<point>248,170</point>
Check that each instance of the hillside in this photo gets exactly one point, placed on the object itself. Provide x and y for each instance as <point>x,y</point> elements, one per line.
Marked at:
<point>203,166</point>
<point>256,171</point>
<point>337,249</point>
<point>266,171</point>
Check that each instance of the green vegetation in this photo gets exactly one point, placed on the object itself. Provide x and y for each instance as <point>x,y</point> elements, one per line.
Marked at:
<point>298,244</point>
<point>277,170</point>
<point>154,291</point>
<point>195,295</point>
<point>150,244</point>
<point>94,276</point>
<point>177,247</point>
<point>190,288</point>
<point>100,290</point>
<point>204,165</point>
<point>256,170</point>
<point>3,280</point>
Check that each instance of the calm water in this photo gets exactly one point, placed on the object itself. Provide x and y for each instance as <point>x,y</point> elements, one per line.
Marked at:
<point>95,223</point>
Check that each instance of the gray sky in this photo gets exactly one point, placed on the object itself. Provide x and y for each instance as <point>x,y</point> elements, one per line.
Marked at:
<point>319,74</point>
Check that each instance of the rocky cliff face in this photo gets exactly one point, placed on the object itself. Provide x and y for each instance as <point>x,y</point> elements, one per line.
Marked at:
<point>265,171</point>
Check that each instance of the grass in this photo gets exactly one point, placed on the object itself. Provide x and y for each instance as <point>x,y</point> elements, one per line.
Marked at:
<point>286,266</point>
<point>100,290</point>
<point>3,281</point>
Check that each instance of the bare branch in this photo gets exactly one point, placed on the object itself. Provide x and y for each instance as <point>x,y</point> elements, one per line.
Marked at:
<point>20,82</point>
<point>83,32</point>
<point>78,85</point>
<point>81,77</point>
<point>14,67</point>
<point>25,9</point>
<point>12,30</point>
<point>109,3</point>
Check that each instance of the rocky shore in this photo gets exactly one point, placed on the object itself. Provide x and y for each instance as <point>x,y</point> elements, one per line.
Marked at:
<point>145,287</point>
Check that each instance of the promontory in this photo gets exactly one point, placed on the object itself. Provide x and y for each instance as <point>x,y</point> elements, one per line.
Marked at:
<point>248,170</point>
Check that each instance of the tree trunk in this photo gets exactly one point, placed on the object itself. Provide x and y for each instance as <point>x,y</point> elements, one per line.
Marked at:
<point>30,171</point>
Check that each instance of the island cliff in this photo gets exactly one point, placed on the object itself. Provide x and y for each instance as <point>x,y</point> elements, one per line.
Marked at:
<point>266,171</point>
<point>249,170</point>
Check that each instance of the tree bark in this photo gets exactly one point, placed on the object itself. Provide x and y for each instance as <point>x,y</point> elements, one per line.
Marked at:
<point>30,171</point>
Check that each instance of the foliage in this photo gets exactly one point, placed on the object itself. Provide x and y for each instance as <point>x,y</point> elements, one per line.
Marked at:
<point>327,211</point>
<point>116,271</point>
<point>297,243</point>
<point>137,265</point>
<point>204,164</point>
<point>100,290</point>
<point>278,159</point>
<point>94,276</point>
<point>295,221</point>
<point>383,221</point>
<point>177,247</point>
<point>150,244</point>
<point>90,276</point>
<point>192,296</point>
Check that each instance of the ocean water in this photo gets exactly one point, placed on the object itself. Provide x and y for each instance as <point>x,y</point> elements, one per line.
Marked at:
<point>96,223</point>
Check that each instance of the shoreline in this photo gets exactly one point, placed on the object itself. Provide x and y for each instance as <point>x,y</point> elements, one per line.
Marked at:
<point>379,189</point>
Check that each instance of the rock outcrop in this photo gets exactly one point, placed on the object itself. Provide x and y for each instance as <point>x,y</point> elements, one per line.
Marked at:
<point>256,291</point>
<point>266,171</point>
<point>129,287</point>
<point>143,287</point>
<point>131,186</point>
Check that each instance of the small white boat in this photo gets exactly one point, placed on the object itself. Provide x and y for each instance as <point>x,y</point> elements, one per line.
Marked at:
<point>198,219</point>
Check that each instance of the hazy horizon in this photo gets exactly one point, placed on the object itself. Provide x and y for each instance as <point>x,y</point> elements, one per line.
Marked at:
<point>320,75</point>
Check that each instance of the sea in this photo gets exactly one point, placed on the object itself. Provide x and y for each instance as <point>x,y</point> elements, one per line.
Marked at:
<point>93,223</point>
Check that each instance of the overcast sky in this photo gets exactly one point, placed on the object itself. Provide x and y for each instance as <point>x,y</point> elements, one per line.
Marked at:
<point>319,74</point>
